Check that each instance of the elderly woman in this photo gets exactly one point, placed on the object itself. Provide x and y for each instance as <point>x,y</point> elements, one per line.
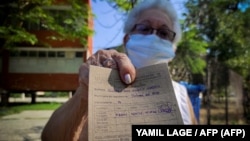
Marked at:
<point>152,32</point>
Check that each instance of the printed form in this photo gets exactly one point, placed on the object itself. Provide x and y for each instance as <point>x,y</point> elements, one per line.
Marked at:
<point>114,106</point>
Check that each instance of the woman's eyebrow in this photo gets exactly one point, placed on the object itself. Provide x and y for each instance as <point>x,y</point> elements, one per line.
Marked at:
<point>144,22</point>
<point>164,26</point>
<point>147,22</point>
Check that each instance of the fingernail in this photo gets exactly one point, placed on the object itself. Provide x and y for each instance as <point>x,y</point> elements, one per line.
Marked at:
<point>127,78</point>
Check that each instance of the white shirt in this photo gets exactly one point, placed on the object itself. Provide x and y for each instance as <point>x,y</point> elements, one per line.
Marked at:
<point>182,99</point>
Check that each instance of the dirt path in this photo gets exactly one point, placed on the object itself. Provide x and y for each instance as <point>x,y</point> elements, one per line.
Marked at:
<point>26,126</point>
<point>218,115</point>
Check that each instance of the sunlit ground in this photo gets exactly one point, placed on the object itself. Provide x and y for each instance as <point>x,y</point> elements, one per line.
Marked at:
<point>218,114</point>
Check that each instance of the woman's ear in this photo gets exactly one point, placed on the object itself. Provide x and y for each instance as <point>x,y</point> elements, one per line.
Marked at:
<point>125,39</point>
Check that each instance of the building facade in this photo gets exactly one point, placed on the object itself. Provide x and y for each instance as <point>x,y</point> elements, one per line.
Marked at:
<point>29,69</point>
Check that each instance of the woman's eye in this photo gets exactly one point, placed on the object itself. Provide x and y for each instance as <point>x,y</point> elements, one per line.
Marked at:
<point>163,34</point>
<point>145,29</point>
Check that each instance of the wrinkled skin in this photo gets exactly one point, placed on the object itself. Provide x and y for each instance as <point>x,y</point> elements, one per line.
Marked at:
<point>108,59</point>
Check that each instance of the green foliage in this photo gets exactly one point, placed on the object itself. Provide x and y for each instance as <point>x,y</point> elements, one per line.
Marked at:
<point>14,35</point>
<point>190,55</point>
<point>122,5</point>
<point>17,16</point>
<point>19,107</point>
<point>77,22</point>
<point>56,94</point>
<point>225,28</point>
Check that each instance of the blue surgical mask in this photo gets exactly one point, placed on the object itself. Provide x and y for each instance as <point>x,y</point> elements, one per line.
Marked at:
<point>145,50</point>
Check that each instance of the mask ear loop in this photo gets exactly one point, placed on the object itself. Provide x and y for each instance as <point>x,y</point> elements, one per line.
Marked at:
<point>125,41</point>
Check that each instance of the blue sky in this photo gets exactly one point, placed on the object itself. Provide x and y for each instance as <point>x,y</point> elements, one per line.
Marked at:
<point>108,24</point>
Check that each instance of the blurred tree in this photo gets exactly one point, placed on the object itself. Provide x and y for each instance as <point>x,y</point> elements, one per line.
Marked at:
<point>17,15</point>
<point>189,62</point>
<point>224,26</point>
<point>122,5</point>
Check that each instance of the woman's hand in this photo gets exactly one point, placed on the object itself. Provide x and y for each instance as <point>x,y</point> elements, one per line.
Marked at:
<point>108,59</point>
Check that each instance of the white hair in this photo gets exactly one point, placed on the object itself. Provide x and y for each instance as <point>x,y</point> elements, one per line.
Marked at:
<point>164,5</point>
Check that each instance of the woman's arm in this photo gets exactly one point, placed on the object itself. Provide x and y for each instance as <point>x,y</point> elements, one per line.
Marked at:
<point>68,121</point>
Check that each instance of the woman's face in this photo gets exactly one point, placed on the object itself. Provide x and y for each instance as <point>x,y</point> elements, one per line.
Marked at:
<point>147,50</point>
<point>154,21</point>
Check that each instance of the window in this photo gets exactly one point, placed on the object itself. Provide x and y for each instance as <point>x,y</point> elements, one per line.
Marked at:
<point>14,53</point>
<point>23,54</point>
<point>33,54</point>
<point>42,54</point>
<point>51,54</point>
<point>79,54</point>
<point>60,54</point>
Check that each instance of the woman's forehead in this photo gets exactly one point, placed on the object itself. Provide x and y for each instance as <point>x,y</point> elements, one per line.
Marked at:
<point>156,18</point>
